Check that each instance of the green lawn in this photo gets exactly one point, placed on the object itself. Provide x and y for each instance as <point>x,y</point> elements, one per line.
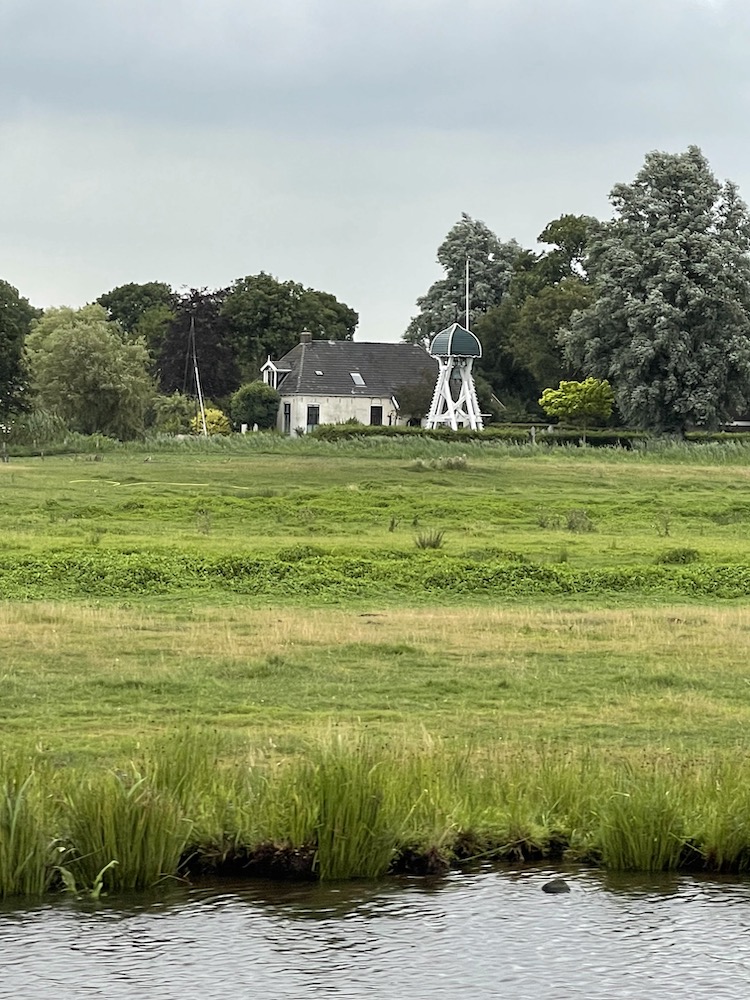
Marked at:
<point>274,588</point>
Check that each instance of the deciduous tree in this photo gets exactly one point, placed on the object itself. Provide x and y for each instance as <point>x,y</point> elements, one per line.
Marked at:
<point>670,322</point>
<point>521,353</point>
<point>199,311</point>
<point>490,271</point>
<point>16,317</point>
<point>255,403</point>
<point>83,368</point>
<point>266,316</point>
<point>580,403</point>
<point>144,311</point>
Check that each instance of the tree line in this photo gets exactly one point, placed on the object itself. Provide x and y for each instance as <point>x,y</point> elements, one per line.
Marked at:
<point>124,362</point>
<point>655,301</point>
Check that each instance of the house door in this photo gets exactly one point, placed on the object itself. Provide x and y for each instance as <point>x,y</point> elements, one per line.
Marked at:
<point>287,418</point>
<point>313,418</point>
<point>376,415</point>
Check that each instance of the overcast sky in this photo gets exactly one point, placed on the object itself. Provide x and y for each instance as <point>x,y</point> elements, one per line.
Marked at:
<point>335,142</point>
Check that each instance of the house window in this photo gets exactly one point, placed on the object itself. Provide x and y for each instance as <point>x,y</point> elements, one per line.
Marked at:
<point>313,418</point>
<point>287,418</point>
<point>357,378</point>
<point>376,415</point>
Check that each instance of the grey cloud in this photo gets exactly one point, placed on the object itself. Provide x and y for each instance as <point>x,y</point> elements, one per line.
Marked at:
<point>336,141</point>
<point>570,70</point>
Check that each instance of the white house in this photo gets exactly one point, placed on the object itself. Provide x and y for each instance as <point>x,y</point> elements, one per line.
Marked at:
<point>332,381</point>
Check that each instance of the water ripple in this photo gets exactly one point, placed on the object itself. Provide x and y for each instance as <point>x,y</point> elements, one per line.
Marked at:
<point>487,934</point>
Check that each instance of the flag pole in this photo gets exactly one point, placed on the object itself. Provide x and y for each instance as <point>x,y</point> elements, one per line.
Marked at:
<point>467,291</point>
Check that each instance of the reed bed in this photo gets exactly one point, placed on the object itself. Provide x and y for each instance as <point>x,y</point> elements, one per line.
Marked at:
<point>352,806</point>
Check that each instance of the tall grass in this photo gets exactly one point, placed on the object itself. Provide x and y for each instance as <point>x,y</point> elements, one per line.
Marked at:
<point>123,818</point>
<point>723,826</point>
<point>356,831</point>
<point>27,851</point>
<point>351,806</point>
<point>642,821</point>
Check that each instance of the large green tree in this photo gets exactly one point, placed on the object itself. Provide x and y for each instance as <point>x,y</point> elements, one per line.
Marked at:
<point>82,367</point>
<point>521,353</point>
<point>670,322</point>
<point>490,271</point>
<point>266,316</point>
<point>199,323</point>
<point>143,310</point>
<point>16,317</point>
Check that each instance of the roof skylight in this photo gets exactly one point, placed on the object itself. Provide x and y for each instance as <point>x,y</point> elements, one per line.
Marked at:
<point>357,378</point>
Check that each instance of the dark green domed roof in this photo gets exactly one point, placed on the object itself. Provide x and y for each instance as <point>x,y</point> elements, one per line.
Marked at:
<point>456,341</point>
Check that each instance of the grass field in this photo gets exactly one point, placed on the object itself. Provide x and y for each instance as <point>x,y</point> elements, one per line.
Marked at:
<point>577,602</point>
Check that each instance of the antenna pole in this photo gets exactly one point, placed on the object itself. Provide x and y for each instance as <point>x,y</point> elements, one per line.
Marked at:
<point>197,377</point>
<point>467,291</point>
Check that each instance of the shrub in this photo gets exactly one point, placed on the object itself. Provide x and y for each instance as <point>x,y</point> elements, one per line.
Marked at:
<point>38,427</point>
<point>678,557</point>
<point>579,522</point>
<point>255,403</point>
<point>216,423</point>
<point>173,414</point>
<point>546,520</point>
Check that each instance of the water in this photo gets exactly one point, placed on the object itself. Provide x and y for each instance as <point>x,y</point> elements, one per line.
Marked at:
<point>487,934</point>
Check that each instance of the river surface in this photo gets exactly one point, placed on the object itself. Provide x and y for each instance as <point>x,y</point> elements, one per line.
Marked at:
<point>491,933</point>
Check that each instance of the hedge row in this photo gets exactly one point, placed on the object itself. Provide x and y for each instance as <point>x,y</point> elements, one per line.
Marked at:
<point>498,433</point>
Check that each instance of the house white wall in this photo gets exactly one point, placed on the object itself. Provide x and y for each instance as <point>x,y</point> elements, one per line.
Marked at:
<point>335,410</point>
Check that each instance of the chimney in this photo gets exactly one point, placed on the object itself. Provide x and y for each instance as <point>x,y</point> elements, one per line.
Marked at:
<point>305,337</point>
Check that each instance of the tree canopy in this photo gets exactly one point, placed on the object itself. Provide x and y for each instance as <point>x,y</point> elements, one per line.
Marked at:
<point>199,313</point>
<point>82,367</point>
<point>580,403</point>
<point>490,270</point>
<point>669,324</point>
<point>16,317</point>
<point>266,316</point>
<point>142,310</point>
<point>255,403</point>
<point>521,354</point>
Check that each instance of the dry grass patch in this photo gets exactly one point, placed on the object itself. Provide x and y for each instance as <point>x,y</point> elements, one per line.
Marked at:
<point>97,680</point>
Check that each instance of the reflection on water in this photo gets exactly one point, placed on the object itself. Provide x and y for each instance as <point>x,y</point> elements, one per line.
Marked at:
<point>488,934</point>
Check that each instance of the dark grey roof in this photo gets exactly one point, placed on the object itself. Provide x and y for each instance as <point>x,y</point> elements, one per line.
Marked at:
<point>456,341</point>
<point>383,368</point>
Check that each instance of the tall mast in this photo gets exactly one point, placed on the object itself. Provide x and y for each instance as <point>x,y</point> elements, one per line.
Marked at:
<point>467,292</point>
<point>197,377</point>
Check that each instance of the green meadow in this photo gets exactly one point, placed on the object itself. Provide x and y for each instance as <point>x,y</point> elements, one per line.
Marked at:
<point>369,654</point>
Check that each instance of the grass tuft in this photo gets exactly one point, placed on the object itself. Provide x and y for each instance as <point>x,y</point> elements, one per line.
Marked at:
<point>678,556</point>
<point>430,540</point>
